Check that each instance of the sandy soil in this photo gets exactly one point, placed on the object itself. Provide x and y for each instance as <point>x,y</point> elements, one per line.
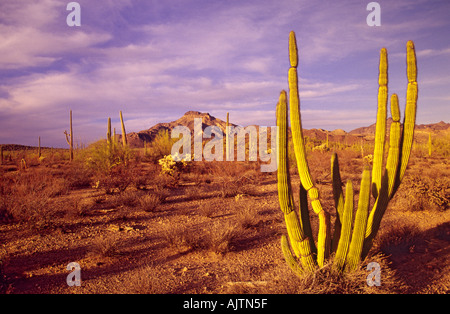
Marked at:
<point>182,246</point>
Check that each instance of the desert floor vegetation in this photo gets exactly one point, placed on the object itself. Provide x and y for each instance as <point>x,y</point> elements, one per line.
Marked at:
<point>215,227</point>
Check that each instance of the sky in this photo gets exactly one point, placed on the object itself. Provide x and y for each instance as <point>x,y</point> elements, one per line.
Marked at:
<point>157,59</point>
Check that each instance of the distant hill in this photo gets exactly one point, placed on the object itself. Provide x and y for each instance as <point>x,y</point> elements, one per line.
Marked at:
<point>433,128</point>
<point>137,139</point>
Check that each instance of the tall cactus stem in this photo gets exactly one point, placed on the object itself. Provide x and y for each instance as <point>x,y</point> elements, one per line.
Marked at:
<point>380,132</point>
<point>344,239</point>
<point>124,134</point>
<point>108,133</point>
<point>69,137</point>
<point>359,229</point>
<point>302,245</point>
<point>323,241</point>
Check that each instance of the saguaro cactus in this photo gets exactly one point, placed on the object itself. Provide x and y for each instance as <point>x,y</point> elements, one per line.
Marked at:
<point>227,140</point>
<point>350,247</point>
<point>124,134</point>
<point>108,134</point>
<point>69,137</point>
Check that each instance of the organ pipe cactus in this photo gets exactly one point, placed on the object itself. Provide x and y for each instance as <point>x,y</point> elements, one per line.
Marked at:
<point>350,246</point>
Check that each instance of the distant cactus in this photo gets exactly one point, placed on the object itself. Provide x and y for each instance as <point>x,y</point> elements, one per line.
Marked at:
<point>108,134</point>
<point>69,137</point>
<point>430,145</point>
<point>350,247</point>
<point>124,134</point>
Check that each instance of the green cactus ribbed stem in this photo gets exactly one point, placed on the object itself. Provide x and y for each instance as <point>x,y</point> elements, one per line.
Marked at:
<point>302,245</point>
<point>289,257</point>
<point>347,217</point>
<point>409,121</point>
<point>350,245</point>
<point>124,134</point>
<point>359,229</point>
<point>394,144</point>
<point>405,145</point>
<point>380,132</point>
<point>323,240</point>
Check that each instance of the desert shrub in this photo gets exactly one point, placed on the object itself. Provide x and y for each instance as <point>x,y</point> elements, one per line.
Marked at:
<point>78,176</point>
<point>181,238</point>
<point>129,198</point>
<point>111,166</point>
<point>150,202</point>
<point>160,146</point>
<point>171,167</point>
<point>207,209</point>
<point>424,193</point>
<point>441,146</point>
<point>116,180</point>
<point>105,247</point>
<point>247,216</point>
<point>219,237</point>
<point>231,187</point>
<point>29,197</point>
<point>102,157</point>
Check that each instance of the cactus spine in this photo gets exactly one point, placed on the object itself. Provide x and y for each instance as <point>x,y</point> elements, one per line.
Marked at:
<point>350,247</point>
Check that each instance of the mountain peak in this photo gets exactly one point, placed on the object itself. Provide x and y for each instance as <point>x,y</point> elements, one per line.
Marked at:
<point>193,113</point>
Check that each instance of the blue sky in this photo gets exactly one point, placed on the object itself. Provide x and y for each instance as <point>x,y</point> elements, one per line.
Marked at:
<point>155,60</point>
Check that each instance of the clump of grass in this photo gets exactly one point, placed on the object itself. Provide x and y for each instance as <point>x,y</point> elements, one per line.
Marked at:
<point>105,247</point>
<point>247,216</point>
<point>150,202</point>
<point>181,238</point>
<point>207,209</point>
<point>193,193</point>
<point>217,238</point>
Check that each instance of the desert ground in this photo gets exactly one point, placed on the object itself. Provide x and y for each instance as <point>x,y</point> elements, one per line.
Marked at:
<point>207,228</point>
